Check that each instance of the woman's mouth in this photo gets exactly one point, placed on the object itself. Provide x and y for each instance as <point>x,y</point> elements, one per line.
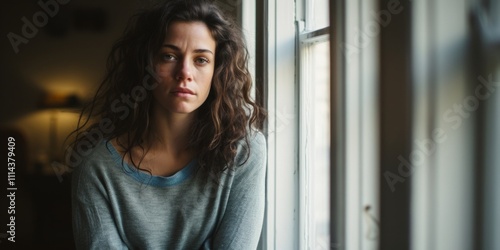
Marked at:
<point>182,92</point>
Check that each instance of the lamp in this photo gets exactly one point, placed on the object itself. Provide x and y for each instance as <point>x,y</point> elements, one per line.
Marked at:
<point>60,101</point>
<point>56,102</point>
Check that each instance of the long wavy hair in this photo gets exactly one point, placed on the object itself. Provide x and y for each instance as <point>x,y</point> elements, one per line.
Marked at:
<point>122,106</point>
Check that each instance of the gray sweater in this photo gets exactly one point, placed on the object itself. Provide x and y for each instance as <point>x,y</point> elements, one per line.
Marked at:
<point>116,206</point>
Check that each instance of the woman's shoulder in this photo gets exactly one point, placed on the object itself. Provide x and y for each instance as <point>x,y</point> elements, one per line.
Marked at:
<point>255,140</point>
<point>90,156</point>
<point>252,150</point>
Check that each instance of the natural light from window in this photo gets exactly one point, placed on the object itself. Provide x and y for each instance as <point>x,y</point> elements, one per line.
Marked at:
<point>315,142</point>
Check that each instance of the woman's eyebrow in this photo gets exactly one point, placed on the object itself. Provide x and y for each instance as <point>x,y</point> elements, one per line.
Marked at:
<point>195,51</point>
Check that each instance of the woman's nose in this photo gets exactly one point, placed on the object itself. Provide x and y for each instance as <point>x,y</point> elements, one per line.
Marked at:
<point>184,71</point>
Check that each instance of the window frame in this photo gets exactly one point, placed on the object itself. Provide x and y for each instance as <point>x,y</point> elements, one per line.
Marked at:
<point>306,38</point>
<point>306,148</point>
<point>278,69</point>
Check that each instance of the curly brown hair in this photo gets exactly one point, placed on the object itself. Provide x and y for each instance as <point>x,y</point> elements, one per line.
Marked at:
<point>122,105</point>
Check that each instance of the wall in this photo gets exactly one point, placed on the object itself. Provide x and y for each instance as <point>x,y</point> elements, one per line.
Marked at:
<point>60,58</point>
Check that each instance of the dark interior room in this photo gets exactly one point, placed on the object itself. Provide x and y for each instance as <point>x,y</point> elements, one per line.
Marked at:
<point>53,56</point>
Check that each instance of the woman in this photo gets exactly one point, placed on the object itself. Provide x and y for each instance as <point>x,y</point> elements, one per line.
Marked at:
<point>173,159</point>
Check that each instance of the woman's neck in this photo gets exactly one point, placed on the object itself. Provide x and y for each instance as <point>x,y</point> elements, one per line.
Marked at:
<point>170,132</point>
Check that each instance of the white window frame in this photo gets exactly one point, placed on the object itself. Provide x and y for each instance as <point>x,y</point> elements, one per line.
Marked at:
<point>307,37</point>
<point>282,226</point>
<point>306,148</point>
<point>362,140</point>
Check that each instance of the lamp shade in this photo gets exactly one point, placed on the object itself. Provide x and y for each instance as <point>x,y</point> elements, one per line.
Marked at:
<point>60,101</point>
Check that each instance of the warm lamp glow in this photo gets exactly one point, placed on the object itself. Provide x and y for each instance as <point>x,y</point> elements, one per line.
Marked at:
<point>58,100</point>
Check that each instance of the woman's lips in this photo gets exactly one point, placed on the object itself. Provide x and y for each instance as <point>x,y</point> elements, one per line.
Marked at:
<point>182,92</point>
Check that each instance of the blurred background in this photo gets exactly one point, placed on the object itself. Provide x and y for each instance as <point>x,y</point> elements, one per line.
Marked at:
<point>53,58</point>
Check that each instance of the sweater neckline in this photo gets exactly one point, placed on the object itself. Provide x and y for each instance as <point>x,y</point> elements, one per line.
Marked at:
<point>148,179</point>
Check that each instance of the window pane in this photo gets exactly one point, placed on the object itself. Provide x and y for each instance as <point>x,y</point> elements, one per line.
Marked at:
<point>316,83</point>
<point>318,16</point>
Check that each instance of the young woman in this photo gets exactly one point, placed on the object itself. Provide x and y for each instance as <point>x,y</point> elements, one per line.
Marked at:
<point>168,155</point>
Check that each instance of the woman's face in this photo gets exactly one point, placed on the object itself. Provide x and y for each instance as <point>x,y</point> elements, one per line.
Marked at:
<point>185,65</point>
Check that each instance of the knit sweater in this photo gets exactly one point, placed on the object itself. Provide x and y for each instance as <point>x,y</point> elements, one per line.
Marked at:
<point>116,206</point>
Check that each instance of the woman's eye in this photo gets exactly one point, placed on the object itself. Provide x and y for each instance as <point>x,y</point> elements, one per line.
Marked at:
<point>201,60</point>
<point>168,57</point>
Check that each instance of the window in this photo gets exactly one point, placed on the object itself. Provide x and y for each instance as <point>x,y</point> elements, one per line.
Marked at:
<point>306,103</point>
<point>355,100</point>
<point>314,126</point>
<point>297,66</point>
<point>277,69</point>
<point>315,144</point>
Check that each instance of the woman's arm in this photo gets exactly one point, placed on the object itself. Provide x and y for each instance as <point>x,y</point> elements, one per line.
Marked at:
<point>93,223</point>
<point>241,224</point>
